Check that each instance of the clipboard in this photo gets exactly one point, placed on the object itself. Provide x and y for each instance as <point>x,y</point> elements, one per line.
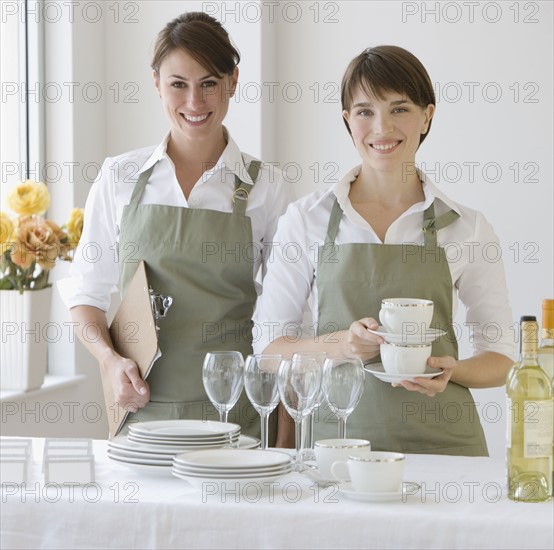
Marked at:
<point>134,333</point>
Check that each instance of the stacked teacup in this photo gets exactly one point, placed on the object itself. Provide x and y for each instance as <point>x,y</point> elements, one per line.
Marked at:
<point>407,320</point>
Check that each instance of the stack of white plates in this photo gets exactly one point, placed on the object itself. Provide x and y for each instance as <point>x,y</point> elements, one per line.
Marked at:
<point>231,466</point>
<point>152,445</point>
<point>184,433</point>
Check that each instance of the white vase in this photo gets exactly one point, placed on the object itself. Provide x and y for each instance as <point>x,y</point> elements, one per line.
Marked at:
<point>24,347</point>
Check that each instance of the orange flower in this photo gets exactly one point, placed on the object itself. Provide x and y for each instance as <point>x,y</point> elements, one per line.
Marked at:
<point>38,240</point>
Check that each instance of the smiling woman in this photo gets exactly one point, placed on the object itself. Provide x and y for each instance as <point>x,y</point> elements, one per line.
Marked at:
<point>192,193</point>
<point>380,233</point>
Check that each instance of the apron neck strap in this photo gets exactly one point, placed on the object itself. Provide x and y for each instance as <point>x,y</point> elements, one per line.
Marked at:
<point>431,224</point>
<point>334,222</point>
<point>242,189</point>
<point>240,196</point>
<point>141,184</point>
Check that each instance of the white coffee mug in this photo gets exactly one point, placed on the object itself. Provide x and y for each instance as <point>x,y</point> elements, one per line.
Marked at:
<point>372,472</point>
<point>406,316</point>
<point>402,359</point>
<point>328,451</point>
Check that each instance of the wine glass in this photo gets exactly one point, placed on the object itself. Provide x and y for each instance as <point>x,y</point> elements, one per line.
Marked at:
<point>343,385</point>
<point>307,428</point>
<point>222,376</point>
<point>260,383</point>
<point>299,382</point>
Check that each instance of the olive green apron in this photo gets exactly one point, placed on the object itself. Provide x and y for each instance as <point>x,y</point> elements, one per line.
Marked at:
<point>352,279</point>
<point>203,259</point>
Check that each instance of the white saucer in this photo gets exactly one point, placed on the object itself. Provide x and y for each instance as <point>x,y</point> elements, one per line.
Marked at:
<point>408,488</point>
<point>315,475</point>
<point>430,335</point>
<point>378,371</point>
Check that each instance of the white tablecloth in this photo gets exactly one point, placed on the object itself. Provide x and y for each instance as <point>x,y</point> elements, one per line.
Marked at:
<point>462,504</point>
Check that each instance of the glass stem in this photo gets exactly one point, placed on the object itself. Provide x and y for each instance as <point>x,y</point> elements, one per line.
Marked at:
<point>223,415</point>
<point>342,427</point>
<point>298,441</point>
<point>264,417</point>
<point>308,431</point>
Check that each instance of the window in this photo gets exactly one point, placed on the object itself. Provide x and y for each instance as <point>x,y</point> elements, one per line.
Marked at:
<point>21,108</point>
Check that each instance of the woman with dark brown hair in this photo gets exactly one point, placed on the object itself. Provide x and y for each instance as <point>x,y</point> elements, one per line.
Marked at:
<point>383,231</point>
<point>198,212</point>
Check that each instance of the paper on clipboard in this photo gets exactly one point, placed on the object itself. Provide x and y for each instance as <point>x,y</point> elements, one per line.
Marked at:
<point>134,335</point>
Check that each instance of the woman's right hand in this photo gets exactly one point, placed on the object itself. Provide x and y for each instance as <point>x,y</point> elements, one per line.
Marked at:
<point>360,342</point>
<point>130,391</point>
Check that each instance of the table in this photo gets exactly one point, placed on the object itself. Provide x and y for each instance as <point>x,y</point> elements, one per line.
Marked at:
<point>462,504</point>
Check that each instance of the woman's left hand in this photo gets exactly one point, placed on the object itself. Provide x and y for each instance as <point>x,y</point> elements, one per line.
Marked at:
<point>432,386</point>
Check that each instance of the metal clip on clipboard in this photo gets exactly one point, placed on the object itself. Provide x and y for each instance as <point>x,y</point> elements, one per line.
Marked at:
<point>160,305</point>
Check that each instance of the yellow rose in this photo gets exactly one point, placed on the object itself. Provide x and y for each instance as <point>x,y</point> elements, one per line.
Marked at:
<point>75,226</point>
<point>29,197</point>
<point>38,240</point>
<point>6,228</point>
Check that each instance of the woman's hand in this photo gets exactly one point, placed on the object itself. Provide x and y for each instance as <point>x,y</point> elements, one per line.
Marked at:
<point>130,391</point>
<point>358,341</point>
<point>432,386</point>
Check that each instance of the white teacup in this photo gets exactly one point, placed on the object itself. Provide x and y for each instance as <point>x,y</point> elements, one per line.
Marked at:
<point>372,472</point>
<point>401,359</point>
<point>328,451</point>
<point>406,315</point>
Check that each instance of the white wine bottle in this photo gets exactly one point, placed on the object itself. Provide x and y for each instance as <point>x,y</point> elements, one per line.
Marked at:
<point>546,351</point>
<point>529,433</point>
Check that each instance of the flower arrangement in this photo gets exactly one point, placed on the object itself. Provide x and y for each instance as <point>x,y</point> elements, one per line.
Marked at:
<point>30,244</point>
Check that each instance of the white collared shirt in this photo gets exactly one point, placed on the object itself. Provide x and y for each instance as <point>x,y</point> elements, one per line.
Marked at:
<point>471,246</point>
<point>94,273</point>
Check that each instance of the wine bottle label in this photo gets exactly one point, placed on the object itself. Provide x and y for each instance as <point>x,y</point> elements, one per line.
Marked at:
<point>537,428</point>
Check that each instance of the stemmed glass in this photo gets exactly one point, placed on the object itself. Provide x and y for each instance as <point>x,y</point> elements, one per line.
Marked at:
<point>222,375</point>
<point>307,428</point>
<point>299,382</point>
<point>343,385</point>
<point>260,383</point>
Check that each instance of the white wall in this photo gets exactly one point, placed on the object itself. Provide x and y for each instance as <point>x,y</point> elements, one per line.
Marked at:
<point>304,47</point>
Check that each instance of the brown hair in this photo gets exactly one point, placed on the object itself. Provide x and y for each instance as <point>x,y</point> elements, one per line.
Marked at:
<point>384,69</point>
<point>203,37</point>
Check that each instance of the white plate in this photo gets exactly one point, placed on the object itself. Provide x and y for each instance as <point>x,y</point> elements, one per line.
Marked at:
<point>182,443</point>
<point>121,442</point>
<point>188,429</point>
<point>231,475</point>
<point>408,488</point>
<point>140,462</point>
<point>234,459</point>
<point>430,335</point>
<point>134,454</point>
<point>197,470</point>
<point>227,484</point>
<point>159,452</point>
<point>378,371</point>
